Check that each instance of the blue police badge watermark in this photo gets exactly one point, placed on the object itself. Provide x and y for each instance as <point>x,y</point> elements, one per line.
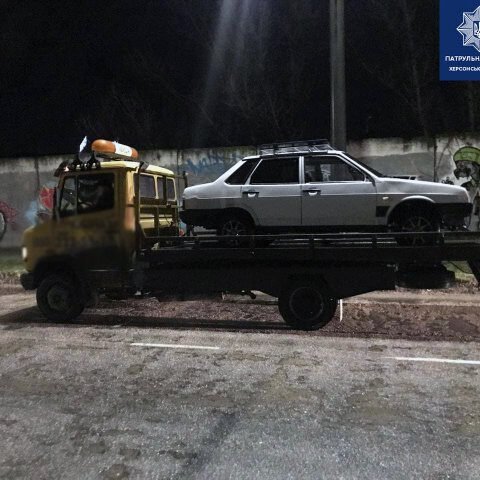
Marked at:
<point>470,29</point>
<point>460,40</point>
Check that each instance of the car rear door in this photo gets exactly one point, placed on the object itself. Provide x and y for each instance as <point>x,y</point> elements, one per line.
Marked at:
<point>336,193</point>
<point>273,193</point>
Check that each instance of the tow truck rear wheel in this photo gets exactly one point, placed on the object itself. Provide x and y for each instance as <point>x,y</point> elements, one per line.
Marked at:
<point>307,305</point>
<point>59,299</point>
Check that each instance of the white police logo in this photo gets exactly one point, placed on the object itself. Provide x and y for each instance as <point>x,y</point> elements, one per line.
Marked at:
<point>470,29</point>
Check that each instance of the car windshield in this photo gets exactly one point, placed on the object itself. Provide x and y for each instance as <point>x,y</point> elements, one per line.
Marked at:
<point>366,167</point>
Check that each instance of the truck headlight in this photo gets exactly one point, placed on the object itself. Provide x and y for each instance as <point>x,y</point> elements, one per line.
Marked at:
<point>24,253</point>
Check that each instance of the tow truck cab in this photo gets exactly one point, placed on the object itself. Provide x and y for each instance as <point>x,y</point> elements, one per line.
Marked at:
<point>99,219</point>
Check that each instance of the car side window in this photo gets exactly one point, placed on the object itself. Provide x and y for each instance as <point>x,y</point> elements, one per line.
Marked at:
<point>276,171</point>
<point>240,176</point>
<point>330,169</point>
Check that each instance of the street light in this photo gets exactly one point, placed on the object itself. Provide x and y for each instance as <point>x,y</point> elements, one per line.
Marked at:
<point>338,123</point>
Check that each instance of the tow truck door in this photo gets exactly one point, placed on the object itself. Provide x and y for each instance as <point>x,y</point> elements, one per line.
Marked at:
<point>88,225</point>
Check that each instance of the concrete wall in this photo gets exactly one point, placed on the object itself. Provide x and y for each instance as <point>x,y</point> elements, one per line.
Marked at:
<point>26,183</point>
<point>393,156</point>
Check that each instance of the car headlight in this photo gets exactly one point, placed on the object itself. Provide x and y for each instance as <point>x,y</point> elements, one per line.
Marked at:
<point>24,253</point>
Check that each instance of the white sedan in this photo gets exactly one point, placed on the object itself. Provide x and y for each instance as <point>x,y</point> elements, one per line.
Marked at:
<point>305,188</point>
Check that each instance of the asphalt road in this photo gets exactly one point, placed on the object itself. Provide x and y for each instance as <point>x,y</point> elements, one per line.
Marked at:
<point>93,400</point>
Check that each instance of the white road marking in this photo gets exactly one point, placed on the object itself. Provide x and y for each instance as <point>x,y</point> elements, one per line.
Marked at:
<point>436,360</point>
<point>170,345</point>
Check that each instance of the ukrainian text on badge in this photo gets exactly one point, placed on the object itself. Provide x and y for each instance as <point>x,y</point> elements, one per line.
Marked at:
<point>459,40</point>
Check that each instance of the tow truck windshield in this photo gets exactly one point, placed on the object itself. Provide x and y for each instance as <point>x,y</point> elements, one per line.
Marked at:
<point>87,193</point>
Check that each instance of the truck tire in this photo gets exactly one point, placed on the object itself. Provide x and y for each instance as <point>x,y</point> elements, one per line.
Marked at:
<point>59,298</point>
<point>307,305</point>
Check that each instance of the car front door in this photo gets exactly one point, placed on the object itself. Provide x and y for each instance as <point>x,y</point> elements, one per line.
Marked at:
<point>273,194</point>
<point>336,193</point>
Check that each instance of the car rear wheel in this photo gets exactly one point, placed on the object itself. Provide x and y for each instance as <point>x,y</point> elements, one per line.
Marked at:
<point>59,298</point>
<point>234,226</point>
<point>307,305</point>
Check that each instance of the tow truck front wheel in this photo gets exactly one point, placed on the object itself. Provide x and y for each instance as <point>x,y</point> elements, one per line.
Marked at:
<point>59,299</point>
<point>307,305</point>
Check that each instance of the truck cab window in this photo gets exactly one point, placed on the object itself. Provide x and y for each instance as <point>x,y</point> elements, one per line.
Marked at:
<point>68,204</point>
<point>87,193</point>
<point>171,197</point>
<point>95,193</point>
<point>147,186</point>
<point>161,188</point>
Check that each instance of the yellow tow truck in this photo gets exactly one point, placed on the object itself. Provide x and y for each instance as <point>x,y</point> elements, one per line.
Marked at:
<point>106,208</point>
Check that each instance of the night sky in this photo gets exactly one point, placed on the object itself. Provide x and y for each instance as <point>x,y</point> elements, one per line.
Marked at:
<point>194,73</point>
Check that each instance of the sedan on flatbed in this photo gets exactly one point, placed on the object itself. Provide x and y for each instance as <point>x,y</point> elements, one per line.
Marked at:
<point>310,187</point>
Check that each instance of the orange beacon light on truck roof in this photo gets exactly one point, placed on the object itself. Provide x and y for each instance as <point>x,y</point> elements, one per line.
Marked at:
<point>113,149</point>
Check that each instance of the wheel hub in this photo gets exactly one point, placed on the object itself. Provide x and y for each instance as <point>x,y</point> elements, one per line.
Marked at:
<point>233,228</point>
<point>417,224</point>
<point>58,298</point>
<point>306,303</point>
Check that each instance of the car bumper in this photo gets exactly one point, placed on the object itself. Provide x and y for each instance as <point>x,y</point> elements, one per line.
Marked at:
<point>28,281</point>
<point>454,214</point>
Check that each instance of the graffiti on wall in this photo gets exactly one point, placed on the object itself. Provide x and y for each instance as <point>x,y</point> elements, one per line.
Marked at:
<point>210,165</point>
<point>41,208</point>
<point>7,218</point>
<point>466,173</point>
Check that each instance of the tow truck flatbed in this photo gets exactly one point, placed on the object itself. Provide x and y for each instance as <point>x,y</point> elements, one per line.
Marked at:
<point>375,248</point>
<point>308,273</point>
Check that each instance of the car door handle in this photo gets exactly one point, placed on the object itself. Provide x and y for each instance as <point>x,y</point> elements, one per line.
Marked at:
<point>312,191</point>
<point>251,193</point>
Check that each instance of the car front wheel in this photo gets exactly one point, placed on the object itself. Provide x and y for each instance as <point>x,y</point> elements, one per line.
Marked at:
<point>417,222</point>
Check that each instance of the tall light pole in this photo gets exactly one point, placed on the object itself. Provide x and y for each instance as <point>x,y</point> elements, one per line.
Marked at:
<point>338,120</point>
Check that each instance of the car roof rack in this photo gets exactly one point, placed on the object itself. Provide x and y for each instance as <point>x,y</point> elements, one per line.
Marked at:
<point>301,146</point>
